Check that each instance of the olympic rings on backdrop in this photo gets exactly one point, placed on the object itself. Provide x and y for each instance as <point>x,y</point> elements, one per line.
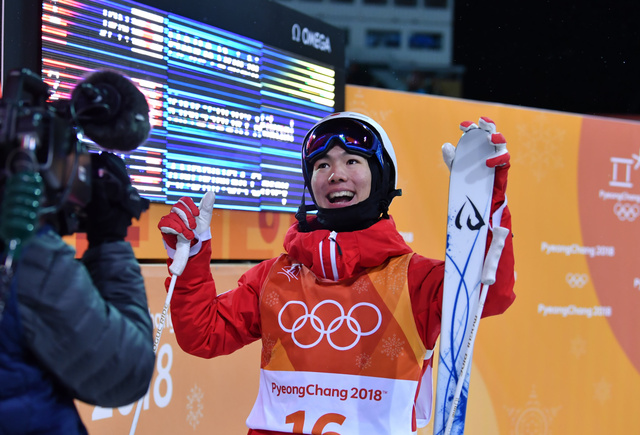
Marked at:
<point>626,211</point>
<point>578,280</point>
<point>317,323</point>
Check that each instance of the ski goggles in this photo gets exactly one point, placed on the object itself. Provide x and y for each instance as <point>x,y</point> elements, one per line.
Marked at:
<point>355,136</point>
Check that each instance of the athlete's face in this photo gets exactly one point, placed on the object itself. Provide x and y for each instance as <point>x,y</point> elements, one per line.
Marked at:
<point>340,179</point>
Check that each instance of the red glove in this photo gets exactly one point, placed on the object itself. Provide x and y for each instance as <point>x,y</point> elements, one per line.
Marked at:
<point>501,156</point>
<point>188,221</point>
<point>499,160</point>
<point>180,220</point>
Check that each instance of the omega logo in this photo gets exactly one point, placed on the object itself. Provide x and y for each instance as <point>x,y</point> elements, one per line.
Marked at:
<point>317,40</point>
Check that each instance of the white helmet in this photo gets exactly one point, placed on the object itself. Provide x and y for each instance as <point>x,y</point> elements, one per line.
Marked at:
<point>317,139</point>
<point>358,134</point>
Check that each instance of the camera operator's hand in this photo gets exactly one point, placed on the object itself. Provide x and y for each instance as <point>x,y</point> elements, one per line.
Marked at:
<point>114,201</point>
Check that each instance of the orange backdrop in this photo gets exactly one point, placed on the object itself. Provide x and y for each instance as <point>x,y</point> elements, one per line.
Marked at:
<point>563,360</point>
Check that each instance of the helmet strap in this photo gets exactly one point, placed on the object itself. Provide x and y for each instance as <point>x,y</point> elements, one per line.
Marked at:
<point>301,214</point>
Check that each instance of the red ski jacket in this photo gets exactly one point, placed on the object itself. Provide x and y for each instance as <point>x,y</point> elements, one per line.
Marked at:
<point>208,324</point>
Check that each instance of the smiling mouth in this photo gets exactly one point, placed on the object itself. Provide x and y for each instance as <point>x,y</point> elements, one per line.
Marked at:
<point>342,197</point>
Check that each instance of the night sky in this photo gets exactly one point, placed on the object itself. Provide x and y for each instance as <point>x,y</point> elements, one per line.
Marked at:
<point>581,57</point>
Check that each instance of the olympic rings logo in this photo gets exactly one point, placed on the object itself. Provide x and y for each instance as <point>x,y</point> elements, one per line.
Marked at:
<point>626,211</point>
<point>578,280</point>
<point>318,325</point>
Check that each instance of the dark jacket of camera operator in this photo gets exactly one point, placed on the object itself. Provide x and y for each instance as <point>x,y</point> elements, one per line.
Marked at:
<point>74,329</point>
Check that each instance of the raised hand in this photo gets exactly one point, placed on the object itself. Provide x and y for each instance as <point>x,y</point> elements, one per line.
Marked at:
<point>498,159</point>
<point>187,223</point>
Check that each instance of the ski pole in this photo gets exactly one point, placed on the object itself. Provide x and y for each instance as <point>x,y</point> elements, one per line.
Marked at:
<point>177,267</point>
<point>488,277</point>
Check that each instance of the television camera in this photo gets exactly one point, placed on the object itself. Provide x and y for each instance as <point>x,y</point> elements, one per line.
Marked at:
<point>49,138</point>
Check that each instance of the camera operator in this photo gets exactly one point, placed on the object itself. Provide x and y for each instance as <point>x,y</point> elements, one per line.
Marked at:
<point>70,329</point>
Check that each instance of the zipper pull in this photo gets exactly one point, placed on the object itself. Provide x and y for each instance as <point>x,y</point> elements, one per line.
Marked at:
<point>332,237</point>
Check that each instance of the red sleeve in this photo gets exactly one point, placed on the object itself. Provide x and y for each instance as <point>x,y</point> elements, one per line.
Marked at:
<point>207,324</point>
<point>425,279</point>
<point>500,295</point>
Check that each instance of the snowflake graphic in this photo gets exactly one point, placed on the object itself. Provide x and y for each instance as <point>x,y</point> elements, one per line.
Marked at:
<point>602,391</point>
<point>533,419</point>
<point>268,344</point>
<point>537,144</point>
<point>392,346</point>
<point>578,346</point>
<point>395,282</point>
<point>194,406</point>
<point>271,299</point>
<point>361,286</point>
<point>363,361</point>
<point>392,281</point>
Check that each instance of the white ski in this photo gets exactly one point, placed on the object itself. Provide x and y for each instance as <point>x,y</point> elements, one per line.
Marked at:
<point>470,192</point>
